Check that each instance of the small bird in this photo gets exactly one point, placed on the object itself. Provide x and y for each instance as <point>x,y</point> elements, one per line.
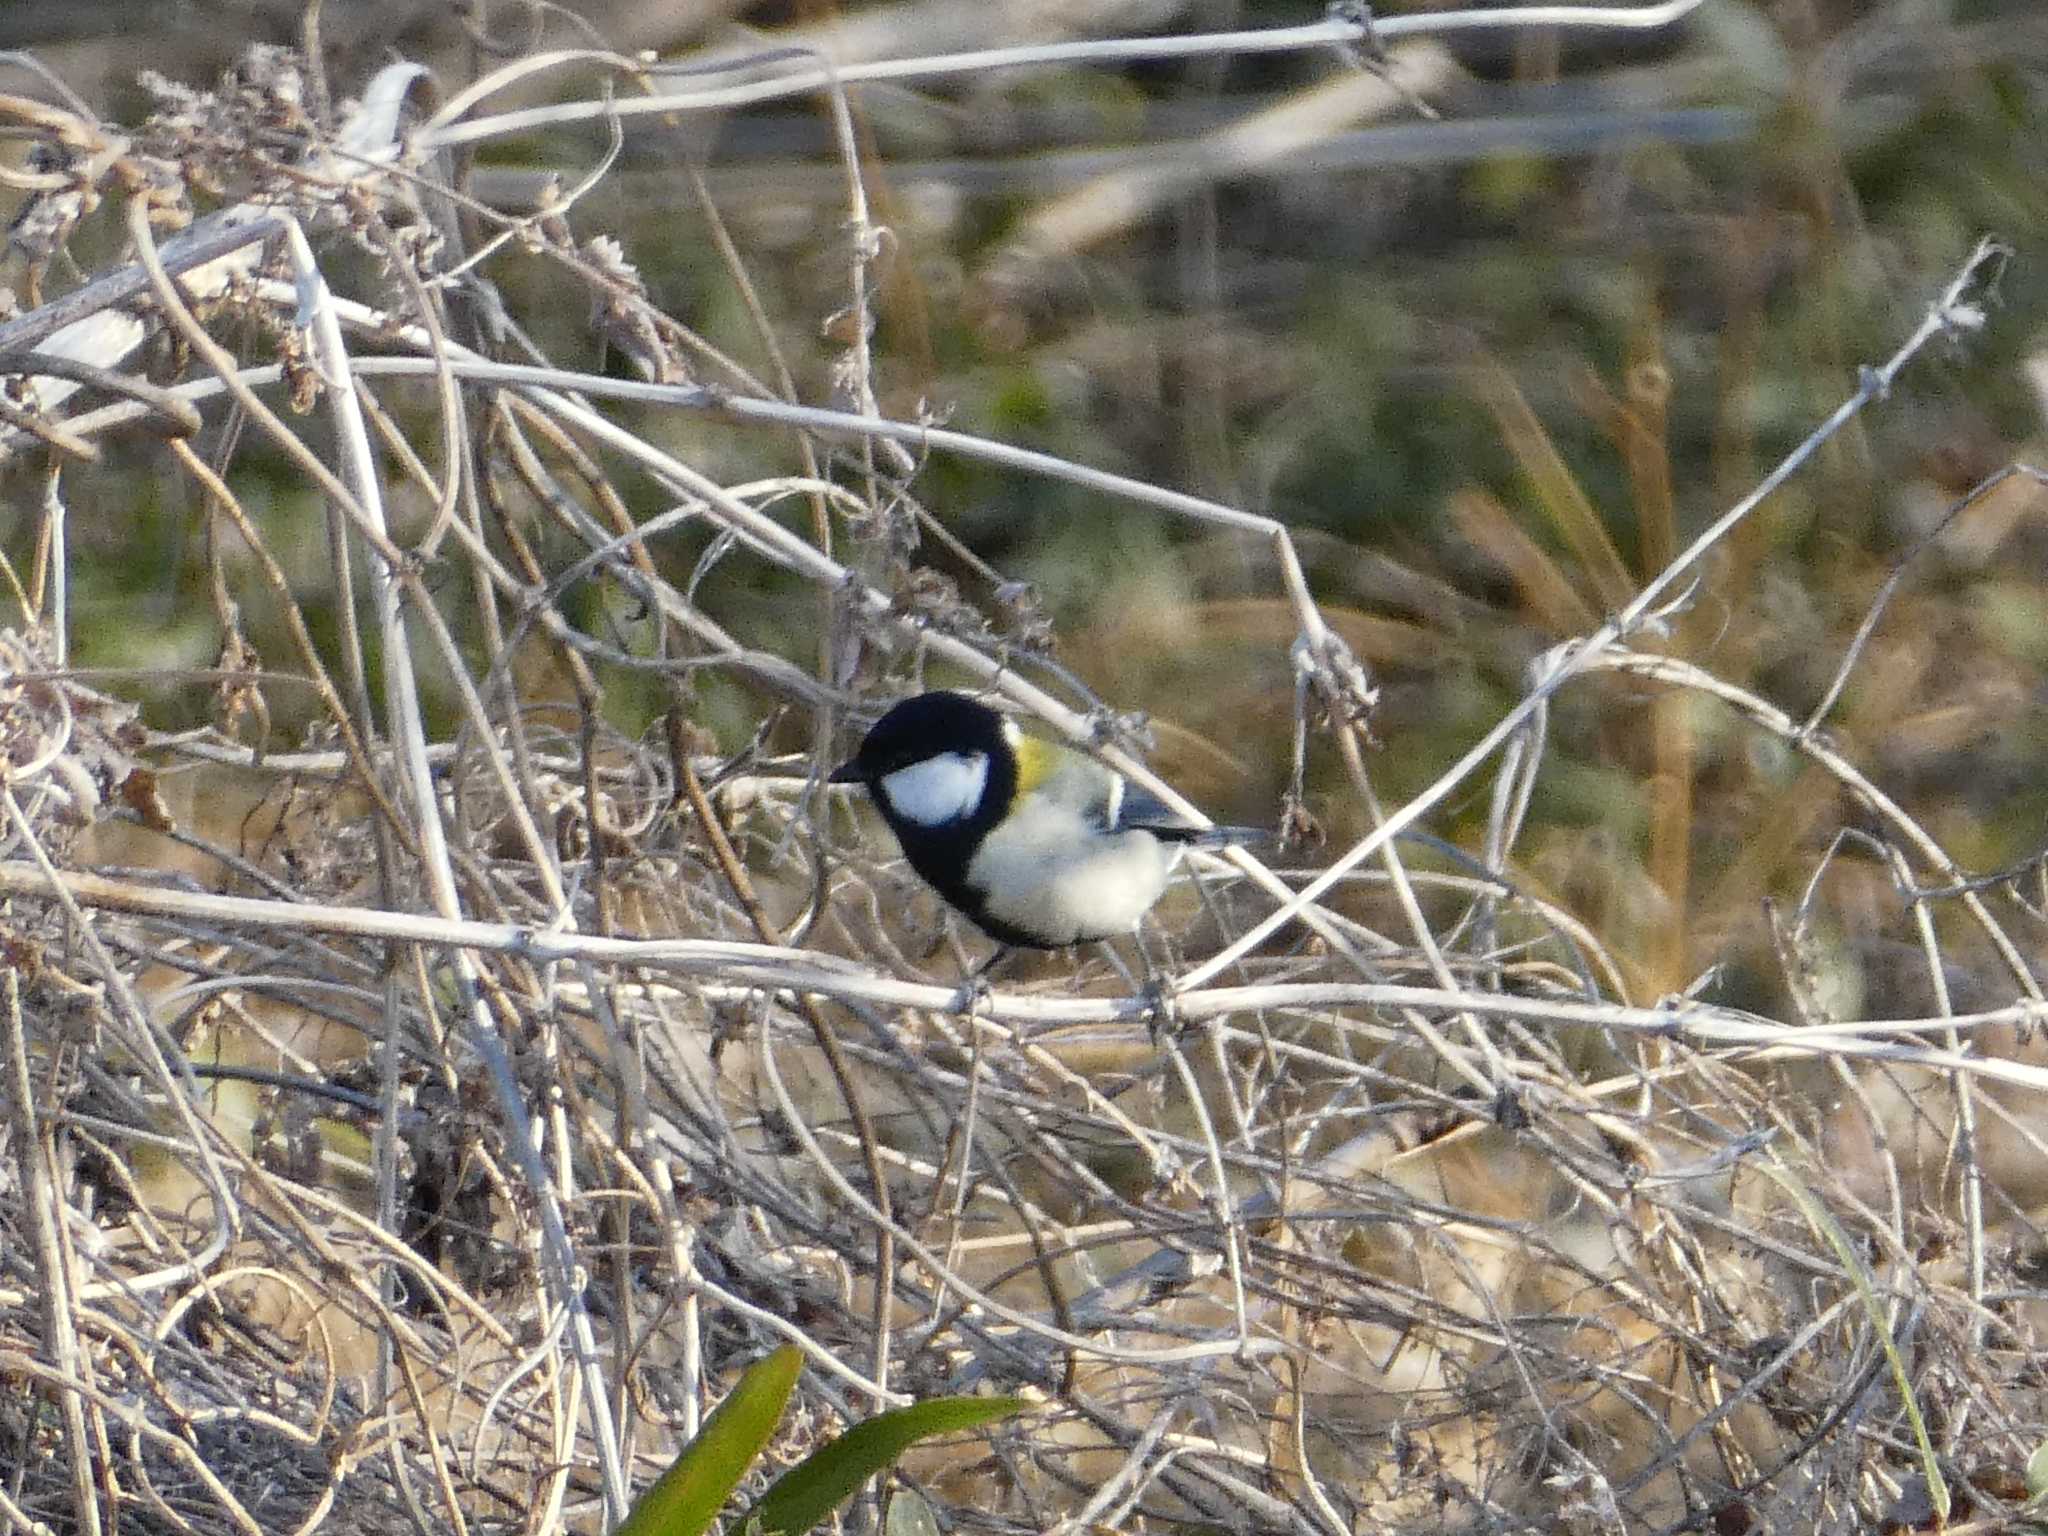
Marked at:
<point>1039,845</point>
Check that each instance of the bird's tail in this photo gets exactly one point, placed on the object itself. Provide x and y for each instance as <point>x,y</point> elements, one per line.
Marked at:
<point>1211,837</point>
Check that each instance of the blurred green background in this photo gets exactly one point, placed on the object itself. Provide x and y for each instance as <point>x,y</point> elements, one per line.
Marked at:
<point>1493,366</point>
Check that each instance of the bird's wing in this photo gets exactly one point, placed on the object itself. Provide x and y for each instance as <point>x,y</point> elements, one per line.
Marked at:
<point>1107,800</point>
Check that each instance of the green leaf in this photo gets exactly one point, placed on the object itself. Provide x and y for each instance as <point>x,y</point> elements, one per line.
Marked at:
<point>688,1496</point>
<point>819,1484</point>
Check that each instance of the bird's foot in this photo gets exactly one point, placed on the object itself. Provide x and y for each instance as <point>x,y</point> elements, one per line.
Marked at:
<point>1162,1013</point>
<point>973,996</point>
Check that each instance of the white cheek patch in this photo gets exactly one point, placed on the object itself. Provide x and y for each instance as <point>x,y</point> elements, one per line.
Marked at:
<point>939,789</point>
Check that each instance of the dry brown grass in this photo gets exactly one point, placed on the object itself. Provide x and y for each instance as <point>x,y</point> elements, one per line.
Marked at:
<point>416,1128</point>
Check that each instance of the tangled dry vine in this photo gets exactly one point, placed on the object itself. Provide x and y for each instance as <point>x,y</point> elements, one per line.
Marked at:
<point>416,1125</point>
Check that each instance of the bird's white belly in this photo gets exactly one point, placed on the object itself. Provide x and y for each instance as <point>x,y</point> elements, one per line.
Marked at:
<point>1053,877</point>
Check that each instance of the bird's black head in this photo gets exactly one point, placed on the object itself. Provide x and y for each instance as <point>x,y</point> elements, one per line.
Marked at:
<point>942,770</point>
<point>920,729</point>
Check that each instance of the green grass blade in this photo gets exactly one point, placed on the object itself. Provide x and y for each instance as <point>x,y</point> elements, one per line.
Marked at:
<point>688,1496</point>
<point>1822,1221</point>
<point>812,1489</point>
<point>909,1515</point>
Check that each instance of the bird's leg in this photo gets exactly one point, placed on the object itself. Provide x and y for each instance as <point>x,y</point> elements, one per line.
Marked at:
<point>1154,1002</point>
<point>1161,1017</point>
<point>1116,963</point>
<point>974,991</point>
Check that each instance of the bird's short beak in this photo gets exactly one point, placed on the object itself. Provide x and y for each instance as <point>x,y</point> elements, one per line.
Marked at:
<point>845,773</point>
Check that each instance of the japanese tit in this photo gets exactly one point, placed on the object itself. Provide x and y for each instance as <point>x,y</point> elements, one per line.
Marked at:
<point>1037,844</point>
